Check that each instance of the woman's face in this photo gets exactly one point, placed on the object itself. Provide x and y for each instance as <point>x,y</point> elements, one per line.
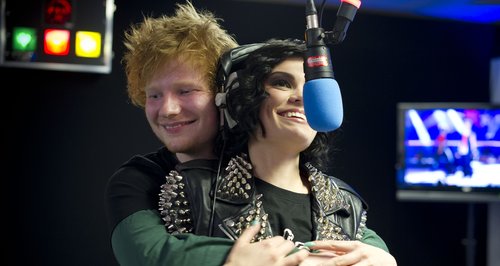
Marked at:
<point>282,113</point>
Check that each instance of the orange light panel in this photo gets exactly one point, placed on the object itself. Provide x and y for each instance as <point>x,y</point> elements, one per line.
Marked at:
<point>88,44</point>
<point>56,42</point>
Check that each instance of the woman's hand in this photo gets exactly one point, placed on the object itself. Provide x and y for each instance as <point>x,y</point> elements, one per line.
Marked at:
<point>351,253</point>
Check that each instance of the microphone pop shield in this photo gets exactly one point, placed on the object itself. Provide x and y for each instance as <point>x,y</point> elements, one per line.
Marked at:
<point>323,104</point>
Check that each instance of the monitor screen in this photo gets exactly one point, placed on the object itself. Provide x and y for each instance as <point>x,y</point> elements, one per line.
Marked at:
<point>448,152</point>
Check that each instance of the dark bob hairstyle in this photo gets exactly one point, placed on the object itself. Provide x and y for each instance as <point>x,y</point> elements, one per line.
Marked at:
<point>244,101</point>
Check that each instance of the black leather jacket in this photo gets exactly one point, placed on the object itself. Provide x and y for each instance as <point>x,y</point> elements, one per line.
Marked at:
<point>186,201</point>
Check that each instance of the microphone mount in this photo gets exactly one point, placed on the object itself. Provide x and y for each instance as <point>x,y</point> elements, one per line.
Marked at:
<point>315,35</point>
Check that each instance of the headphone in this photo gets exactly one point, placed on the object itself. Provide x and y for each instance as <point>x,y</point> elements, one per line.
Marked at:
<point>230,63</point>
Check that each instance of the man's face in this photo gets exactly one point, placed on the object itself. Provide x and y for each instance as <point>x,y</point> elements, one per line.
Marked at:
<point>180,109</point>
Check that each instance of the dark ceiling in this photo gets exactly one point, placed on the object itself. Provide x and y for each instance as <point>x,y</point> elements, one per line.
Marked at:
<point>473,11</point>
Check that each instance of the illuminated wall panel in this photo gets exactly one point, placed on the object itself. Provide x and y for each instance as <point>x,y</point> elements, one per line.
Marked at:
<point>88,44</point>
<point>62,35</point>
<point>24,39</point>
<point>56,42</point>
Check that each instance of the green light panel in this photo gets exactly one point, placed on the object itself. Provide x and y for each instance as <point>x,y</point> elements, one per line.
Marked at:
<point>24,39</point>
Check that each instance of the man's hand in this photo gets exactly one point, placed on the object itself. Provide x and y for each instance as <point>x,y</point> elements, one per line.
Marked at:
<point>272,251</point>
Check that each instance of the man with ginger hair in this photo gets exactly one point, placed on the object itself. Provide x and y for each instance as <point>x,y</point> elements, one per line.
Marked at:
<point>171,63</point>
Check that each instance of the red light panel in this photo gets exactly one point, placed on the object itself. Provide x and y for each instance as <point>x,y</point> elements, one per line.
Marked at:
<point>58,11</point>
<point>56,42</point>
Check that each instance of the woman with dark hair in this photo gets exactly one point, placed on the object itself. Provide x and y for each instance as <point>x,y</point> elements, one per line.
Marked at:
<point>273,148</point>
<point>273,174</point>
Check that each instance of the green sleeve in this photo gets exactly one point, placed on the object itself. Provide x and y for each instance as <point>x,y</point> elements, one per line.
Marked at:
<point>371,238</point>
<point>141,239</point>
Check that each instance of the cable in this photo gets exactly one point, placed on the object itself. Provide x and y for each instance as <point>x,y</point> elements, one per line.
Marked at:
<point>321,8</point>
<point>217,178</point>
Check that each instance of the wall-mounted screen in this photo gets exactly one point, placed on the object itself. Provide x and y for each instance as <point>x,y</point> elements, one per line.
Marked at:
<point>448,152</point>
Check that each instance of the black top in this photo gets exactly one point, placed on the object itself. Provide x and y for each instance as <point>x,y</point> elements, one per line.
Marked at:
<point>289,212</point>
<point>136,184</point>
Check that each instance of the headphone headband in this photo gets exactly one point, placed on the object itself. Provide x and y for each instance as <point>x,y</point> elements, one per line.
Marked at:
<point>233,60</point>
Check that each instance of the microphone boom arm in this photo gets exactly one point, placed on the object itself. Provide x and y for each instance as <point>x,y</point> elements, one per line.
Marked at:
<point>345,15</point>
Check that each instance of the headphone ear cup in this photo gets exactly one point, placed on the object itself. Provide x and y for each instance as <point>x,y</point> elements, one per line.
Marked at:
<point>227,78</point>
<point>221,99</point>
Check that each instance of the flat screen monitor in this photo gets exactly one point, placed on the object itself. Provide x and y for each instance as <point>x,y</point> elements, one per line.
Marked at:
<point>448,152</point>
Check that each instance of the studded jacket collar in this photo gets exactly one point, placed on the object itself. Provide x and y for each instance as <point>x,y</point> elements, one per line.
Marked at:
<point>186,199</point>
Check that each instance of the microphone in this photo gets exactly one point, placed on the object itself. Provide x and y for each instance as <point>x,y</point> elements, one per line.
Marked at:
<point>322,98</point>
